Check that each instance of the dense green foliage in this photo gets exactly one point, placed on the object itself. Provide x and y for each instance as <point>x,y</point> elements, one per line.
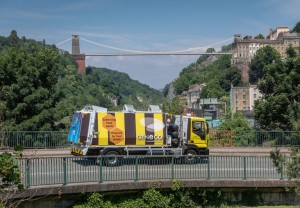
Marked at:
<point>236,121</point>
<point>127,91</point>
<point>173,107</point>
<point>9,172</point>
<point>262,58</point>
<point>40,87</point>
<point>176,197</point>
<point>280,86</point>
<point>28,78</point>
<point>292,165</point>
<point>153,198</point>
<point>297,27</point>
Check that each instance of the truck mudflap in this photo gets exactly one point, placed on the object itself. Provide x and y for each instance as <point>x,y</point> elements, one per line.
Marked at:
<point>78,151</point>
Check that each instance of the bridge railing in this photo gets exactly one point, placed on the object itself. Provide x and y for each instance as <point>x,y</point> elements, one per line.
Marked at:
<point>218,138</point>
<point>71,170</point>
<point>34,139</point>
<point>232,138</point>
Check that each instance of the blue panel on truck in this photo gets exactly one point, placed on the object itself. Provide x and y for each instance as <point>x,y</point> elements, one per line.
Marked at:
<point>75,128</point>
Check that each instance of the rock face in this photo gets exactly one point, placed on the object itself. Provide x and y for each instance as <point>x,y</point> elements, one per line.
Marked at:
<point>171,92</point>
<point>208,61</point>
<point>113,100</point>
<point>244,68</point>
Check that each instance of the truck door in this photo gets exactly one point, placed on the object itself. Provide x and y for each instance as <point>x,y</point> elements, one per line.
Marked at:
<point>198,132</point>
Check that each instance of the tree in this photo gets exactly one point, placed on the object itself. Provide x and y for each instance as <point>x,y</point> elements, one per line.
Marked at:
<point>280,86</point>
<point>263,57</point>
<point>10,177</point>
<point>212,90</point>
<point>40,86</point>
<point>210,50</point>
<point>297,28</point>
<point>231,77</point>
<point>259,36</point>
<point>181,84</point>
<point>237,121</point>
<point>28,78</point>
<point>292,170</point>
<point>290,52</point>
<point>173,107</point>
<point>13,38</point>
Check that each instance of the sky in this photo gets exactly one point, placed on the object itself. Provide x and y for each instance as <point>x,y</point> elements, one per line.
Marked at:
<point>141,25</point>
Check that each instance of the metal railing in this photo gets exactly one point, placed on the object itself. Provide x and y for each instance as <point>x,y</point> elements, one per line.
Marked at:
<point>70,170</point>
<point>218,138</point>
<point>35,139</point>
<point>232,138</point>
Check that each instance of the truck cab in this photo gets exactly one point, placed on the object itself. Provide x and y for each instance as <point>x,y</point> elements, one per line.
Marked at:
<point>194,133</point>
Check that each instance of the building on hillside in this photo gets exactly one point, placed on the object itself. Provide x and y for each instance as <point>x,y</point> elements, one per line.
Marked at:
<point>193,95</point>
<point>280,39</point>
<point>183,99</point>
<point>242,99</point>
<point>210,108</point>
<point>275,33</point>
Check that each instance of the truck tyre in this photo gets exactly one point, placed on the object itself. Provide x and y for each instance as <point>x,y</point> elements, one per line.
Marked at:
<point>111,158</point>
<point>191,156</point>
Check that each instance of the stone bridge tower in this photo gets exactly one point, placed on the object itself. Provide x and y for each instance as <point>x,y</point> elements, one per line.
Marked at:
<point>79,58</point>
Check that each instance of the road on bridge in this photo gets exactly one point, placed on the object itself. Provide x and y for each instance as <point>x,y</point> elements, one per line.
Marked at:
<point>213,151</point>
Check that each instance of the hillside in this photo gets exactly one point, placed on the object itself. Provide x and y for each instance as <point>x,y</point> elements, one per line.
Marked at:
<point>40,87</point>
<point>215,71</point>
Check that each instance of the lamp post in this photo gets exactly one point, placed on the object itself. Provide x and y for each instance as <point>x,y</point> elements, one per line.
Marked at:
<point>224,107</point>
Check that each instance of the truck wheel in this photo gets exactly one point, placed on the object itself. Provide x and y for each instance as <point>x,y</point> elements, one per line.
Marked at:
<point>191,156</point>
<point>111,158</point>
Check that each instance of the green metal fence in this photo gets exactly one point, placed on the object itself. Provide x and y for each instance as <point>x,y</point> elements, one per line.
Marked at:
<point>218,138</point>
<point>35,139</point>
<point>70,170</point>
<point>232,138</point>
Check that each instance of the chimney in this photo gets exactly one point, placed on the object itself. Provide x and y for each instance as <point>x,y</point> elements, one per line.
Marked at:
<point>271,31</point>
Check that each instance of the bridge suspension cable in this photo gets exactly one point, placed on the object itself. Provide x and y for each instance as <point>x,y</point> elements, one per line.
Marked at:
<point>63,41</point>
<point>128,52</point>
<point>156,52</point>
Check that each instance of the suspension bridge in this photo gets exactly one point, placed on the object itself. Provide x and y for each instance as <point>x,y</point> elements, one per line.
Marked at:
<point>128,52</point>
<point>116,51</point>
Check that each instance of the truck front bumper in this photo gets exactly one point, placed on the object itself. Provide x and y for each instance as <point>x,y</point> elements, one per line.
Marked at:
<point>203,151</point>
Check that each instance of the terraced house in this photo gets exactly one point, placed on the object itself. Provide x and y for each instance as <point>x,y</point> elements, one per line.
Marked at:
<point>280,39</point>
<point>244,49</point>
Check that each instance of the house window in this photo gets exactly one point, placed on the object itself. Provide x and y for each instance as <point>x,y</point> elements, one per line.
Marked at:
<point>254,96</point>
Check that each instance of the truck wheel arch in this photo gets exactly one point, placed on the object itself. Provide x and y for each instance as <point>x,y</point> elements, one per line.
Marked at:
<point>105,151</point>
<point>191,147</point>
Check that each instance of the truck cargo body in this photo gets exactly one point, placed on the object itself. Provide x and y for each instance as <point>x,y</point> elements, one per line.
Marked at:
<point>98,132</point>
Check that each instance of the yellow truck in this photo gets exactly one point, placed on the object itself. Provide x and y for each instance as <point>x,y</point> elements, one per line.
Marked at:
<point>97,131</point>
